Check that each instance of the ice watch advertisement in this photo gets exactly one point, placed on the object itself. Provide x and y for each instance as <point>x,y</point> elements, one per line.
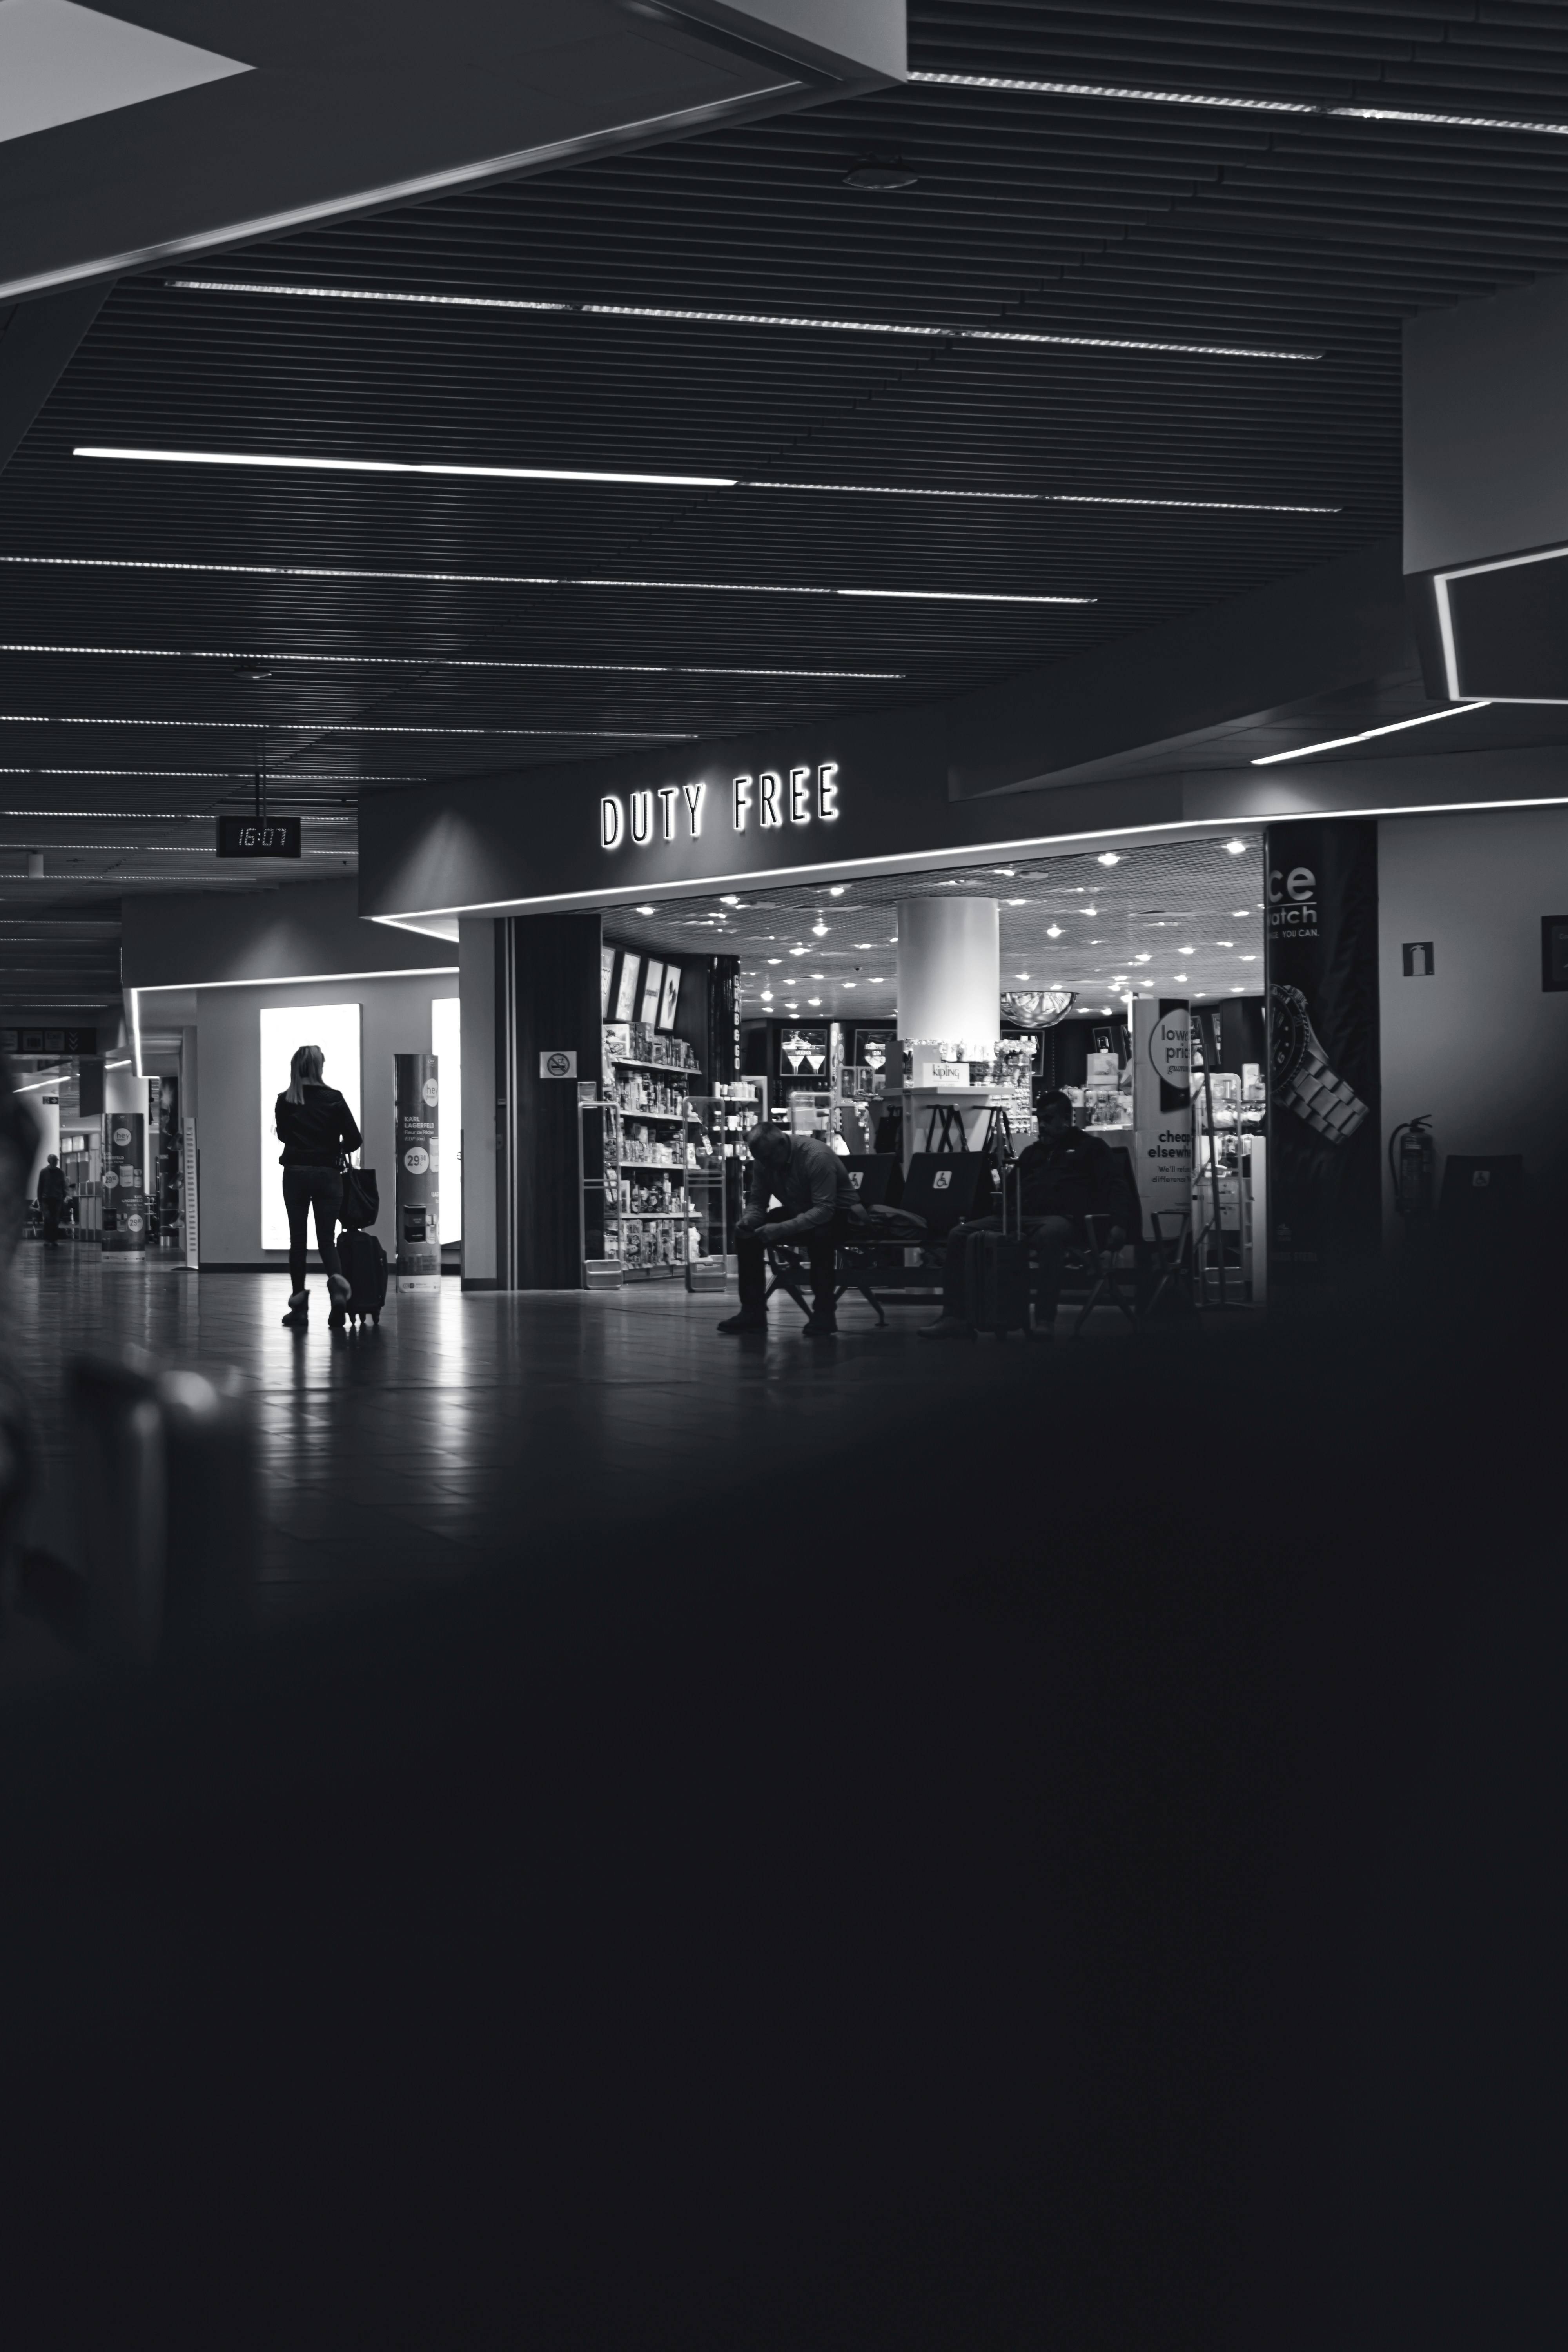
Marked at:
<point>1321,929</point>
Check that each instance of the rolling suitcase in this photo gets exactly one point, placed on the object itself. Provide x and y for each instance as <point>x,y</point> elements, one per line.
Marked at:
<point>996,1265</point>
<point>363,1261</point>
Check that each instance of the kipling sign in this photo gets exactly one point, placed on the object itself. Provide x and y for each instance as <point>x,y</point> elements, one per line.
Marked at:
<point>775,797</point>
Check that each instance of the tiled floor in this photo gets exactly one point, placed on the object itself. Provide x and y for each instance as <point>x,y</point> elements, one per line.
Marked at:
<point>477,1429</point>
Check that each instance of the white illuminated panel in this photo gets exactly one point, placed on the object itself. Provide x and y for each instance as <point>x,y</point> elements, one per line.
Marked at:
<point>335,1029</point>
<point>447,1045</point>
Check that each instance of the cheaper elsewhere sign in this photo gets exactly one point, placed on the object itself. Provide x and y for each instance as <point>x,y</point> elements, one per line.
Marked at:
<point>775,797</point>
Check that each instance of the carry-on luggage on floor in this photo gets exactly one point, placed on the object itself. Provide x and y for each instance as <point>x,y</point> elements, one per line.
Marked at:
<point>363,1261</point>
<point>996,1265</point>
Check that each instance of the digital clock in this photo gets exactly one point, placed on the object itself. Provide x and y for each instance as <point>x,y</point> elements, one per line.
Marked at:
<point>255,837</point>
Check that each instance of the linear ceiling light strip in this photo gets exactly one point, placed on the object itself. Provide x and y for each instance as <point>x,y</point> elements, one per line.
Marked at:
<point>920,330</point>
<point>509,580</point>
<point>693,481</point>
<point>436,661</point>
<point>1022,85</point>
<point>339,727</point>
<point>1342,743</point>
<point>295,464</point>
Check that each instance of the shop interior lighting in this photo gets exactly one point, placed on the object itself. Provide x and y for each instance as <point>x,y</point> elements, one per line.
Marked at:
<point>814,1000</point>
<point>1395,727</point>
<point>1227,102</point>
<point>1053,930</point>
<point>643,910</point>
<point>921,329</point>
<point>837,889</point>
<point>1239,912</point>
<point>1108,857</point>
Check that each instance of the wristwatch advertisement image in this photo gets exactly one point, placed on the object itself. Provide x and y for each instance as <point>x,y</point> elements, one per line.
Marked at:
<point>1300,1073</point>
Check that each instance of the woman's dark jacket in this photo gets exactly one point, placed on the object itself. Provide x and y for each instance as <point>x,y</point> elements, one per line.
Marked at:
<point>316,1133</point>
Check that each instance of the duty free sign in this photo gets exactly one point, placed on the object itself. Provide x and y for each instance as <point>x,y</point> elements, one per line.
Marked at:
<point>775,797</point>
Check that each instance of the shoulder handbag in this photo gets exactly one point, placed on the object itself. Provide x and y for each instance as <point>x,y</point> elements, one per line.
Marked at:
<point>362,1198</point>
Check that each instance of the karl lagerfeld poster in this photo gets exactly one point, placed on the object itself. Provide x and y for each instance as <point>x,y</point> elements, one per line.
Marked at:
<point>1321,930</point>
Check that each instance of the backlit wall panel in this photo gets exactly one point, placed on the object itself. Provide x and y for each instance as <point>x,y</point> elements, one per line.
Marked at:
<point>336,1028</point>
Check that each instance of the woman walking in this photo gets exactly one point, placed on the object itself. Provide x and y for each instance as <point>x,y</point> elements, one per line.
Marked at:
<point>315,1127</point>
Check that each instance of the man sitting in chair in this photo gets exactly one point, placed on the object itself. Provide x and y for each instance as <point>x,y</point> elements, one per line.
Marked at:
<point>1064,1178</point>
<point>813,1188</point>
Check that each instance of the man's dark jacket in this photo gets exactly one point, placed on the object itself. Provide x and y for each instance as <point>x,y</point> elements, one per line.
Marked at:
<point>1073,1176</point>
<point>811,1181</point>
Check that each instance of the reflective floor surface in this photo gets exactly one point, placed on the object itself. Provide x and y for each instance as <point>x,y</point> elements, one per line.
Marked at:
<point>472,1429</point>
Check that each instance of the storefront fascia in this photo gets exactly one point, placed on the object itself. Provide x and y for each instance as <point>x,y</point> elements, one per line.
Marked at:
<point>560,846</point>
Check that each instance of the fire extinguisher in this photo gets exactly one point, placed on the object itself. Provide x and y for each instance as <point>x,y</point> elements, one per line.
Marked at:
<point>1413,1163</point>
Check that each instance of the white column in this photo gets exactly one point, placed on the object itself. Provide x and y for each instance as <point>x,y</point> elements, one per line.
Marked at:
<point>950,972</point>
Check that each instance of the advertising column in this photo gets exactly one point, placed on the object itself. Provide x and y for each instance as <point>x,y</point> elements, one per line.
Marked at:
<point>417,1116</point>
<point>163,1110</point>
<point>124,1189</point>
<point>1325,1179</point>
<point>1162,1112</point>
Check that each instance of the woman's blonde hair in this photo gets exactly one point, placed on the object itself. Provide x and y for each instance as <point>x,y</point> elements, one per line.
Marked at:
<point>304,1070</point>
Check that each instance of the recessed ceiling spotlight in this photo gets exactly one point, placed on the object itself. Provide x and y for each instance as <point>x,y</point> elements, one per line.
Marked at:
<point>1183,950</point>
<point>883,174</point>
<point>1053,930</point>
<point>849,983</point>
<point>877,981</point>
<point>645,910</point>
<point>775,958</point>
<point>1008,870</point>
<point>1180,975</point>
<point>1020,975</point>
<point>819,975</point>
<point>818,930</point>
<point>1236,848</point>
<point>1141,959</point>
<point>837,889</point>
<point>814,1000</point>
<point>1239,912</point>
<point>1090,910</point>
<point>1018,902</point>
<point>767,996</point>
<point>1108,857</point>
<point>797,951</point>
<point>1249,958</point>
<point>729,899</point>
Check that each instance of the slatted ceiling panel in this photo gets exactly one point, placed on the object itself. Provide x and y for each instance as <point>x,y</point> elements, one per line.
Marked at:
<point>1034,214</point>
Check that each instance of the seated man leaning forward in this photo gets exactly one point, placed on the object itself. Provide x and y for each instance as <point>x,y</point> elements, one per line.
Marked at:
<point>1064,1178</point>
<point>814,1188</point>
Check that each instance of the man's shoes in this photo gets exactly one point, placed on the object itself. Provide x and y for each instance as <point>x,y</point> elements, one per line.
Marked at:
<point>749,1318</point>
<point>821,1326</point>
<point>299,1316</point>
<point>947,1326</point>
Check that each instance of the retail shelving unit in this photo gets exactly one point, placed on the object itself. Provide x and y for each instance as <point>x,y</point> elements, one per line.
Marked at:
<point>637,1223</point>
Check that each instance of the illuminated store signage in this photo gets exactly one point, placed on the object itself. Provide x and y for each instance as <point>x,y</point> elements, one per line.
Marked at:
<point>775,797</point>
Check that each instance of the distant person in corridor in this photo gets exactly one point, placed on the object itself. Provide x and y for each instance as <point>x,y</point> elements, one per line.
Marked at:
<point>52,1199</point>
<point>316,1128</point>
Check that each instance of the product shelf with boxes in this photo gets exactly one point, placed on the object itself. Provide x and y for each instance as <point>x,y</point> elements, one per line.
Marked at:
<point>638,1221</point>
